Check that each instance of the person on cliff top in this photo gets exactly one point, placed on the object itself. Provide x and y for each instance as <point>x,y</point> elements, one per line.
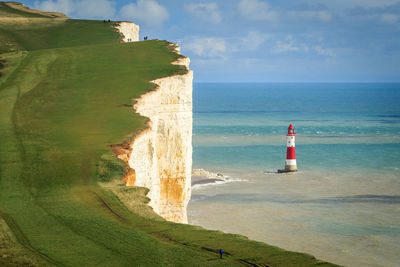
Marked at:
<point>221,251</point>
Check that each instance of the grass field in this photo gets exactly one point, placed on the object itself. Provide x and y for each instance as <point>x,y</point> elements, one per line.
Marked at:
<point>66,90</point>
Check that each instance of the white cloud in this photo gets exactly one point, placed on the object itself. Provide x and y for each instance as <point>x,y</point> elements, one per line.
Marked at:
<point>324,51</point>
<point>64,6</point>
<point>254,39</point>
<point>289,45</point>
<point>256,10</point>
<point>286,46</point>
<point>95,9</point>
<point>321,15</point>
<point>81,9</point>
<point>377,15</point>
<point>207,47</point>
<point>147,12</point>
<point>208,12</point>
<point>389,18</point>
<point>355,3</point>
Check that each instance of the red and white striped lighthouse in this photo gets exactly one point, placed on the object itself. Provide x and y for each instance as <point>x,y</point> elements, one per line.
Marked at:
<point>290,164</point>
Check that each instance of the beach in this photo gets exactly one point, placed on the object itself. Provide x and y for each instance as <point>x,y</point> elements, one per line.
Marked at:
<point>342,205</point>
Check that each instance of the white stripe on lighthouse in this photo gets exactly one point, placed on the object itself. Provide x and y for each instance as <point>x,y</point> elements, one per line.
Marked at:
<point>290,141</point>
<point>291,162</point>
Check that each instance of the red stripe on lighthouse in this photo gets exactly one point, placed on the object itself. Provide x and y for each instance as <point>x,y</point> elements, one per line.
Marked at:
<point>291,153</point>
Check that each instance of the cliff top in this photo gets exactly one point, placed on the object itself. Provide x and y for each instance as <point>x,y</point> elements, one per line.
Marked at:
<point>24,29</point>
<point>18,10</point>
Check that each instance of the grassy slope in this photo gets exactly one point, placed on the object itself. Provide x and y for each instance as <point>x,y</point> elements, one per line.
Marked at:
<point>62,104</point>
<point>7,11</point>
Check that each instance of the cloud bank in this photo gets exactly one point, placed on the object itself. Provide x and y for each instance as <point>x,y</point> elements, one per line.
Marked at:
<point>207,12</point>
<point>256,10</point>
<point>205,46</point>
<point>146,12</point>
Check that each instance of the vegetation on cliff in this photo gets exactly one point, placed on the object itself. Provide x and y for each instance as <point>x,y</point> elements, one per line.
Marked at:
<point>66,93</point>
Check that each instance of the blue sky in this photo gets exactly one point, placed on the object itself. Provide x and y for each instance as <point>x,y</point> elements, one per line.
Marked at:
<point>265,41</point>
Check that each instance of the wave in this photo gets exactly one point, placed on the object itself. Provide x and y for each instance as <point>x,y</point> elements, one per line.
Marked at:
<point>286,199</point>
<point>202,185</point>
<point>202,178</point>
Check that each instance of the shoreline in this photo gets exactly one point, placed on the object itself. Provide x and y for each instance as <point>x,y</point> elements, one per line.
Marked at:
<point>309,212</point>
<point>201,180</point>
<point>202,177</point>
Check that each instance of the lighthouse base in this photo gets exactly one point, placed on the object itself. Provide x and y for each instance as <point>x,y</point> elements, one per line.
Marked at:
<point>290,166</point>
<point>287,170</point>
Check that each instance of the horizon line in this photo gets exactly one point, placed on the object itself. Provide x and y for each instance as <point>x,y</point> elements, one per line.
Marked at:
<point>302,82</point>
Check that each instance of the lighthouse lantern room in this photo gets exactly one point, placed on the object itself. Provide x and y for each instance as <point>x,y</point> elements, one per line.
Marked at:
<point>290,164</point>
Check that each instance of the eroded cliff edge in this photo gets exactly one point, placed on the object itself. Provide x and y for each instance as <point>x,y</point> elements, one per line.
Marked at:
<point>160,157</point>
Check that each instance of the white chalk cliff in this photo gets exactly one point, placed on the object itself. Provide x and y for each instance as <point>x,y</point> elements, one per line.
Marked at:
<point>161,156</point>
<point>129,31</point>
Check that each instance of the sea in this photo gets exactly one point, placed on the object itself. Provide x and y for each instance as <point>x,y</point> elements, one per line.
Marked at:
<point>343,204</point>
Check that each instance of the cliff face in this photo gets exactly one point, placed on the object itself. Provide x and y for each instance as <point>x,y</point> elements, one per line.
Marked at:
<point>161,157</point>
<point>129,30</point>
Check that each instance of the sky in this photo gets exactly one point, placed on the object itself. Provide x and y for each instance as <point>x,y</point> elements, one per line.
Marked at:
<point>264,41</point>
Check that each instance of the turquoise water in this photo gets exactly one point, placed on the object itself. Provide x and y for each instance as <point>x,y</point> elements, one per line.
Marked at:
<point>337,125</point>
<point>344,203</point>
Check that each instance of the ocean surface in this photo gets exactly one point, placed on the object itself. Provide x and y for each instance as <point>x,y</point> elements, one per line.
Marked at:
<point>343,205</point>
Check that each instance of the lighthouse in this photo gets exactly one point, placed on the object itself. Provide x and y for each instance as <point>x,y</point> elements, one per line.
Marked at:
<point>290,164</point>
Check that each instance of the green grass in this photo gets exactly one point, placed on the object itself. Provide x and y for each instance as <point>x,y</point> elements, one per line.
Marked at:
<point>7,11</point>
<point>63,102</point>
<point>44,33</point>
